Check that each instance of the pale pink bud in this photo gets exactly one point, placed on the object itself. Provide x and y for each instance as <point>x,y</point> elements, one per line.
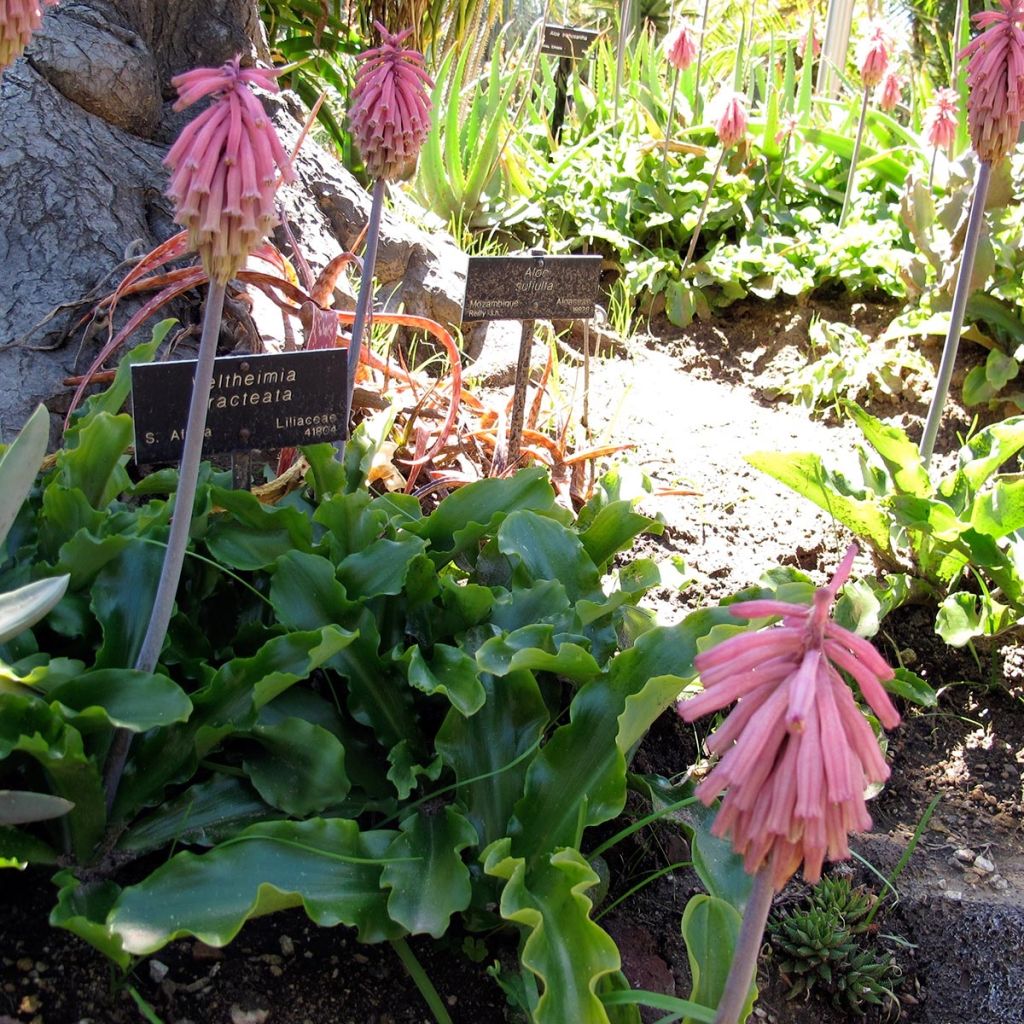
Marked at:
<point>891,91</point>
<point>224,166</point>
<point>873,54</point>
<point>18,20</point>
<point>390,112</point>
<point>801,46</point>
<point>995,77</point>
<point>680,49</point>
<point>940,119</point>
<point>787,125</point>
<point>796,752</point>
<point>730,117</point>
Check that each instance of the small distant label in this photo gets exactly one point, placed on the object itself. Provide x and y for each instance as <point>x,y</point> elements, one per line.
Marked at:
<point>260,401</point>
<point>531,287</point>
<point>567,40</point>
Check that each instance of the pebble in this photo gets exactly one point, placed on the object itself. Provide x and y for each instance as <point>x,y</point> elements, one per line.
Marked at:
<point>1000,883</point>
<point>984,865</point>
<point>158,970</point>
<point>287,945</point>
<point>965,856</point>
<point>954,894</point>
<point>240,1016</point>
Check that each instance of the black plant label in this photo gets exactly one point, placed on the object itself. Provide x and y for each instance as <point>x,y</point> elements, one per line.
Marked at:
<point>567,40</point>
<point>531,287</point>
<point>256,401</point>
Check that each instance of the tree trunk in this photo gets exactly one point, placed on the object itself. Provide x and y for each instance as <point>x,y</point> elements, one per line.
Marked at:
<point>85,120</point>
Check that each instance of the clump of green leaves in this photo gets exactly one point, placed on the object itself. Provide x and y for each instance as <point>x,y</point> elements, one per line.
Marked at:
<point>843,363</point>
<point>825,945</point>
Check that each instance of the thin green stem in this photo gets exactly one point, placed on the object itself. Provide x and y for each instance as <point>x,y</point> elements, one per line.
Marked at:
<point>642,884</point>
<point>365,298</point>
<point>668,124</point>
<point>698,105</point>
<point>851,180</point>
<point>703,212</point>
<point>181,521</point>
<point>748,945</point>
<point>423,983</point>
<point>640,823</point>
<point>956,314</point>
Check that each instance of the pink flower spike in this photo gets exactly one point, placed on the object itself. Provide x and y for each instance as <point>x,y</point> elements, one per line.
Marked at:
<point>18,20</point>
<point>390,112</point>
<point>730,117</point>
<point>995,79</point>
<point>796,752</point>
<point>225,165</point>
<point>940,119</point>
<point>891,91</point>
<point>873,54</point>
<point>680,48</point>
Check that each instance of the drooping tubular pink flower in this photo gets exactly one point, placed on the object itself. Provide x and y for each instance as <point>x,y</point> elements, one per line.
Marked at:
<point>730,116</point>
<point>390,112</point>
<point>891,90</point>
<point>680,49</point>
<point>797,752</point>
<point>940,119</point>
<point>873,54</point>
<point>18,20</point>
<point>225,164</point>
<point>995,77</point>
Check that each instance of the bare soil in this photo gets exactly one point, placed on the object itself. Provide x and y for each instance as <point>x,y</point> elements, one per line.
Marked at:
<point>694,402</point>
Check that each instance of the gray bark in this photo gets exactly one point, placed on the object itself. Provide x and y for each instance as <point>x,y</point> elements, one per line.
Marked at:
<point>85,120</point>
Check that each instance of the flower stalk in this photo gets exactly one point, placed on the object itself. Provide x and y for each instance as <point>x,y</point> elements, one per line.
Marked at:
<point>743,968</point>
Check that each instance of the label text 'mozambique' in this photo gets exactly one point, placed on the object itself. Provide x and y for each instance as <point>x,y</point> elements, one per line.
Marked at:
<point>256,401</point>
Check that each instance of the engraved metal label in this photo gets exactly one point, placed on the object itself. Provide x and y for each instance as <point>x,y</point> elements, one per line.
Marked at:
<point>567,40</point>
<point>257,401</point>
<point>531,287</point>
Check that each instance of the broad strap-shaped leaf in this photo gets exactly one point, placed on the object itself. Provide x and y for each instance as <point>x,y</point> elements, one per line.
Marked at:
<point>564,948</point>
<point>18,807</point>
<point>427,877</point>
<point>458,523</point>
<point>710,928</point>
<point>538,649</point>
<point>352,522</point>
<point>549,551</point>
<point>381,568</point>
<point>18,849</point>
<point>30,727</point>
<point>123,698</point>
<point>328,867</point>
<point>990,448</point>
<point>300,768</point>
<point>900,455</point>
<point>305,592</point>
<point>406,768</point>
<point>121,598</point>
<point>489,752</point>
<point>962,617</point>
<point>24,607</point>
<point>999,511</point>
<point>254,535</point>
<point>82,909</point>
<point>203,815</point>
<point>19,465</point>
<point>805,474</point>
<point>95,465</point>
<point>450,672</point>
<point>614,529</point>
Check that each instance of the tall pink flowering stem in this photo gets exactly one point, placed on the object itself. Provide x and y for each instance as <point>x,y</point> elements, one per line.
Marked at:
<point>181,521</point>
<point>956,315</point>
<point>850,181</point>
<point>698,106</point>
<point>703,212</point>
<point>365,291</point>
<point>671,116</point>
<point>748,945</point>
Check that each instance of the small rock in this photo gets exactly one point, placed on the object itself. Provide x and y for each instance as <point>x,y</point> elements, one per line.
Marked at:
<point>240,1016</point>
<point>25,964</point>
<point>201,951</point>
<point>965,856</point>
<point>158,970</point>
<point>276,971</point>
<point>984,865</point>
<point>29,1004</point>
<point>1000,883</point>
<point>287,945</point>
<point>955,895</point>
<point>942,883</point>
